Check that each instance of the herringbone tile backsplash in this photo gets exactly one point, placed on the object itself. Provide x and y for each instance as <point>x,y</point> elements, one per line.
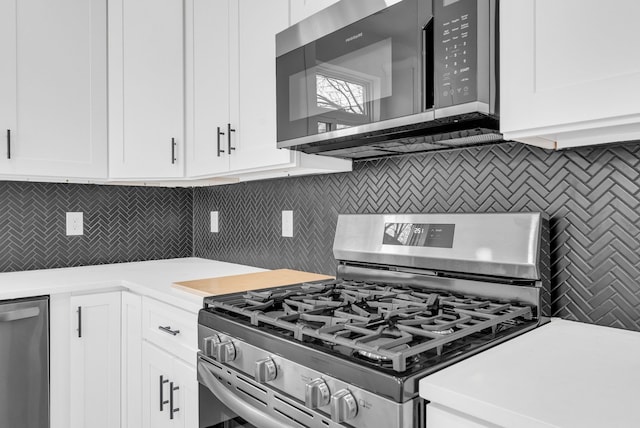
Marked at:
<point>121,224</point>
<point>591,194</point>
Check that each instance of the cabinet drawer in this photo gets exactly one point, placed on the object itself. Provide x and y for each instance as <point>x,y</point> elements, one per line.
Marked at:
<point>171,329</point>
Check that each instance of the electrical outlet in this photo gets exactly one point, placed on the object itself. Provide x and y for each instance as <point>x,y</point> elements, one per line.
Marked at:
<point>287,224</point>
<point>75,224</point>
<point>214,222</point>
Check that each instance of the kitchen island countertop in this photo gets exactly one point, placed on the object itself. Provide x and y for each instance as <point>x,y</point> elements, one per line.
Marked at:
<point>563,374</point>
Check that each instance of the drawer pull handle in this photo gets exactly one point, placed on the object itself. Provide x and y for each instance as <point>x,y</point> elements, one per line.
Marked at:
<point>167,329</point>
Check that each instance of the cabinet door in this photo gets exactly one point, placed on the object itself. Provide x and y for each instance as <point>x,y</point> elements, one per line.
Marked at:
<point>131,378</point>
<point>185,398</point>
<point>301,9</point>
<point>157,370</point>
<point>95,361</point>
<point>568,66</point>
<point>53,88</point>
<point>170,390</point>
<point>207,86</point>
<point>253,79</point>
<point>146,96</point>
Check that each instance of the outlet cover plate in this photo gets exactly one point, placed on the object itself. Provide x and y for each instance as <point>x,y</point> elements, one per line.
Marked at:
<point>287,224</point>
<point>75,224</point>
<point>214,222</point>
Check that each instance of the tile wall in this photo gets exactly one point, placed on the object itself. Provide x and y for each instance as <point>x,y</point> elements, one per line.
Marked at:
<point>591,194</point>
<point>121,224</point>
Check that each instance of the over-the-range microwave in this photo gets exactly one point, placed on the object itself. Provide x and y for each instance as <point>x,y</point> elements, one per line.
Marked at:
<point>370,78</point>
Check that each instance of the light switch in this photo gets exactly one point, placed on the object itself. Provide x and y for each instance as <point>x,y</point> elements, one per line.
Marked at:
<point>74,224</point>
<point>214,222</point>
<point>287,224</point>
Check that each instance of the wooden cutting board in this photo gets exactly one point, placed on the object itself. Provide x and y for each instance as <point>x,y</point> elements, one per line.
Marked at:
<point>246,282</point>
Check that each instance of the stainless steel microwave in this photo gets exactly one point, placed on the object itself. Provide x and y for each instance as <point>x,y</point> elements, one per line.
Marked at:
<point>371,78</point>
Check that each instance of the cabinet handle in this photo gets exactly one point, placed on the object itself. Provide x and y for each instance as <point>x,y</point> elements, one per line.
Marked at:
<point>229,131</point>
<point>79,321</point>
<point>173,151</point>
<point>8,144</point>
<point>162,400</point>
<point>171,409</point>
<point>167,329</point>
<point>219,134</point>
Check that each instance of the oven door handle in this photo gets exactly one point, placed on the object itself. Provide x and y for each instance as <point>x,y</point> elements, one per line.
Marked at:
<point>235,403</point>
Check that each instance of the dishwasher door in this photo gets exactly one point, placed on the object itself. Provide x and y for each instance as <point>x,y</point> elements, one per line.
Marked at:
<point>24,363</point>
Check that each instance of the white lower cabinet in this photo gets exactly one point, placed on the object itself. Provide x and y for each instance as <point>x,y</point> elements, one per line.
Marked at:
<point>108,355</point>
<point>131,373</point>
<point>94,360</point>
<point>169,352</point>
<point>170,390</point>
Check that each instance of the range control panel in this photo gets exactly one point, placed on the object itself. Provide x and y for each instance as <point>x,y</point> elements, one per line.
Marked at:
<point>456,51</point>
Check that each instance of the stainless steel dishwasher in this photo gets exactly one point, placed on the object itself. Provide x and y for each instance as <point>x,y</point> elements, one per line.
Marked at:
<point>24,363</point>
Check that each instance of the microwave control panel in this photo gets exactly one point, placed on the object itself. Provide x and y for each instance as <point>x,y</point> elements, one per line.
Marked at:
<point>455,51</point>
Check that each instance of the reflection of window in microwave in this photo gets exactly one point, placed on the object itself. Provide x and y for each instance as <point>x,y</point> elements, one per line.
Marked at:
<point>339,94</point>
<point>346,89</point>
<point>323,127</point>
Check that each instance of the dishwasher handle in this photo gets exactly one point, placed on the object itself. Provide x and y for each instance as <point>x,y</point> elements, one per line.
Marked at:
<point>19,314</point>
<point>236,404</point>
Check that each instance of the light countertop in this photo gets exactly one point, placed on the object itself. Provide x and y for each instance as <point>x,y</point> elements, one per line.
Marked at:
<point>149,278</point>
<point>563,374</point>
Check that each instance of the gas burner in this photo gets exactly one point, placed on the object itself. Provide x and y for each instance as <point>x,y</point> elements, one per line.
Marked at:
<point>377,322</point>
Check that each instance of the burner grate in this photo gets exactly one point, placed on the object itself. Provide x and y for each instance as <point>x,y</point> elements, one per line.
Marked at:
<point>379,322</point>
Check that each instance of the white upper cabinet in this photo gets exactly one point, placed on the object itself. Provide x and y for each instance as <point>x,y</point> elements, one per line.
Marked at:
<point>231,92</point>
<point>146,89</point>
<point>569,72</point>
<point>53,88</point>
<point>253,109</point>
<point>207,86</point>
<point>231,86</point>
<point>301,9</point>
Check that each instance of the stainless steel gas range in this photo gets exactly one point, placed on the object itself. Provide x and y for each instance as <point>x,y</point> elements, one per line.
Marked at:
<point>413,293</point>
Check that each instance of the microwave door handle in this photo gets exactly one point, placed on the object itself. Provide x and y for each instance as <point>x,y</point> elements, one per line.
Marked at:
<point>428,66</point>
<point>241,408</point>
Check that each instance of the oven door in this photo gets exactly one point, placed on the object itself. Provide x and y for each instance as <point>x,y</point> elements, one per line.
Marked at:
<point>214,414</point>
<point>372,70</point>
<point>222,406</point>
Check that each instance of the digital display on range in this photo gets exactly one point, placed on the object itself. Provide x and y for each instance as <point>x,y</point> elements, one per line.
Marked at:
<point>419,235</point>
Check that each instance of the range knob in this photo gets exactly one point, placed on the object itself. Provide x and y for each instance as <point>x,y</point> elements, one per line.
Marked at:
<point>210,345</point>
<point>343,406</point>
<point>225,352</point>
<point>316,394</point>
<point>265,370</point>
